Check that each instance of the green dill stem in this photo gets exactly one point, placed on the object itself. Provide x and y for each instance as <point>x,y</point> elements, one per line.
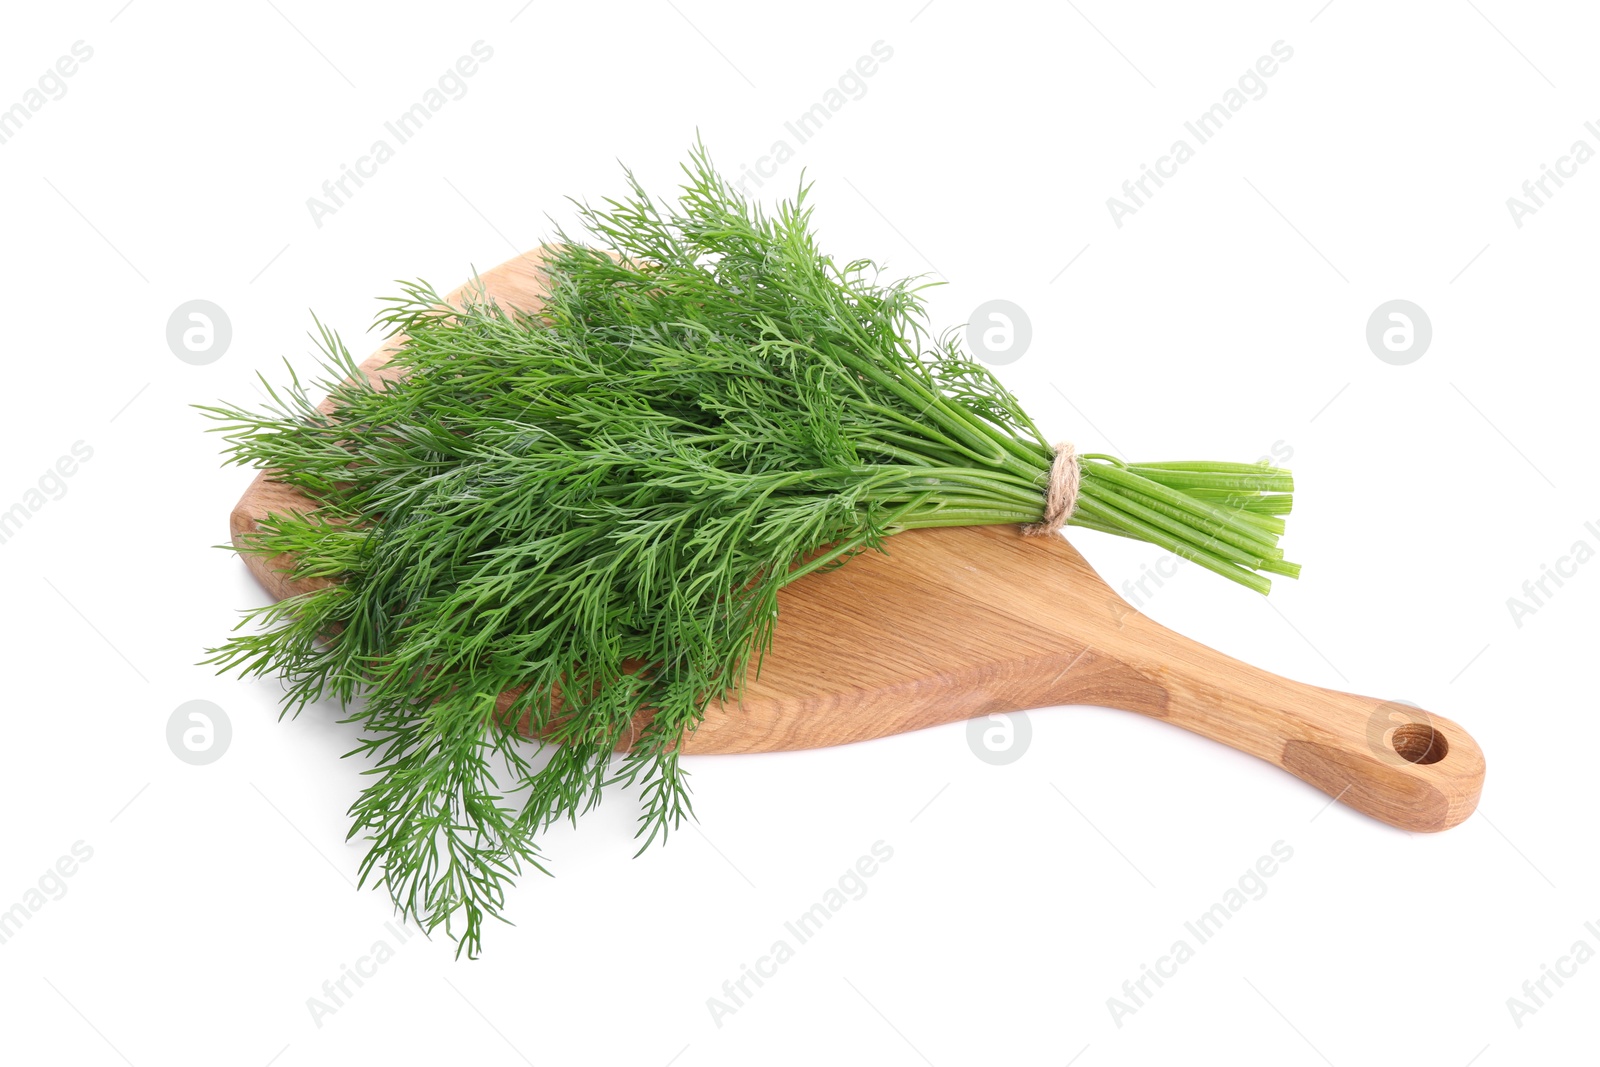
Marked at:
<point>1180,506</point>
<point>1129,526</point>
<point>1275,481</point>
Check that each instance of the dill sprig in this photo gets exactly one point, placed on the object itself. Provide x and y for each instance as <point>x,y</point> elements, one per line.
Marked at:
<point>547,523</point>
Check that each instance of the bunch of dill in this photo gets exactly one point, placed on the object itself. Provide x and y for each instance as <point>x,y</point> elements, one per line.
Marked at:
<point>547,523</point>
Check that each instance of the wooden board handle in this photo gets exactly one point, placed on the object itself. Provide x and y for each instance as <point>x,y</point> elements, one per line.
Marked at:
<point>1395,762</point>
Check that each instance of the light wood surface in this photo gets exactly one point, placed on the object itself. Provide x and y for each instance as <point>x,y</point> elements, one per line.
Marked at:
<point>951,624</point>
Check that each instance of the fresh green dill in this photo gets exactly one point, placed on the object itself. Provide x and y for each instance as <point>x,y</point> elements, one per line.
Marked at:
<point>548,523</point>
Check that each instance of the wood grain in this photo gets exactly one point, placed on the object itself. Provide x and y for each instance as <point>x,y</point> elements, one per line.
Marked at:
<point>950,624</point>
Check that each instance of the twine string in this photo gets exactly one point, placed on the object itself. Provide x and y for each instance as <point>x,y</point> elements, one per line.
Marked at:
<point>1061,498</point>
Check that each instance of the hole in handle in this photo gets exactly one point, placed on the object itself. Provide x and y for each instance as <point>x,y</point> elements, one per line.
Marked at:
<point>1417,742</point>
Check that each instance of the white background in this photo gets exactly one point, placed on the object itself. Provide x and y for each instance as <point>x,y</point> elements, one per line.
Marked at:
<point>1224,318</point>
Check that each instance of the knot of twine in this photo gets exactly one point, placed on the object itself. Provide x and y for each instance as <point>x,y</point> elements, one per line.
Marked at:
<point>1062,496</point>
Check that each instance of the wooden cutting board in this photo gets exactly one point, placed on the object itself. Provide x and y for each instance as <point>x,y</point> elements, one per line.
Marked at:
<point>951,624</point>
